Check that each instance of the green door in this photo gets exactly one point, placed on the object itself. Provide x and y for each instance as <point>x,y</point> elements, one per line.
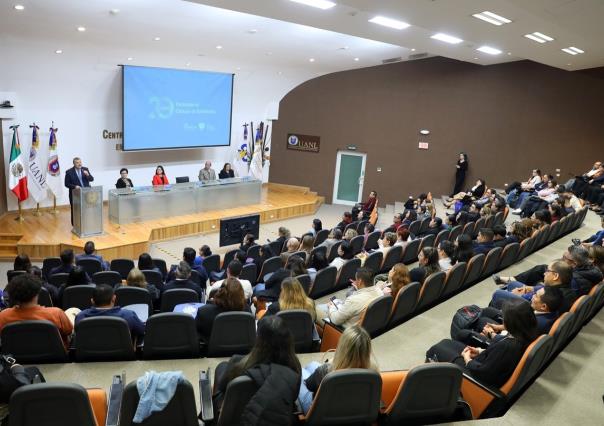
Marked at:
<point>350,171</point>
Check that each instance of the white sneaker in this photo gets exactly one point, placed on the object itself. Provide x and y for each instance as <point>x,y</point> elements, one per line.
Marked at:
<point>517,211</point>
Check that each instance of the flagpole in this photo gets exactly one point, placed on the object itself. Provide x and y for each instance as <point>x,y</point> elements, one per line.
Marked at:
<point>37,211</point>
<point>54,205</point>
<point>20,217</point>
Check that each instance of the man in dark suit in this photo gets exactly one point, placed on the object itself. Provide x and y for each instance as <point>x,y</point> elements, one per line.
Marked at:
<point>77,177</point>
<point>182,280</point>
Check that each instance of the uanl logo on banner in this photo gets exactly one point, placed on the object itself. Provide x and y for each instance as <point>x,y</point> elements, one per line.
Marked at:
<point>303,142</point>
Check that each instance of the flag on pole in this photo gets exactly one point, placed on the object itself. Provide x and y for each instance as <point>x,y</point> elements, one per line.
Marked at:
<point>18,178</point>
<point>36,174</point>
<point>53,177</point>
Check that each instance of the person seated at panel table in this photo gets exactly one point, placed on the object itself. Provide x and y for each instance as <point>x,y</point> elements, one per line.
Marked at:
<point>160,177</point>
<point>226,172</point>
<point>124,181</point>
<point>207,173</point>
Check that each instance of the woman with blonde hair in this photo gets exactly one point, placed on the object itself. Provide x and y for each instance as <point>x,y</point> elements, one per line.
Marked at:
<point>353,351</point>
<point>350,234</point>
<point>136,278</point>
<point>307,244</point>
<point>398,277</point>
<point>292,296</point>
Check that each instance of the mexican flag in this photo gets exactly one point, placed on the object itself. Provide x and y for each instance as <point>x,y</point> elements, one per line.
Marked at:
<point>17,177</point>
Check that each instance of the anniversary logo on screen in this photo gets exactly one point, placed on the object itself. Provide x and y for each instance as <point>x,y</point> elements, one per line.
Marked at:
<point>303,142</point>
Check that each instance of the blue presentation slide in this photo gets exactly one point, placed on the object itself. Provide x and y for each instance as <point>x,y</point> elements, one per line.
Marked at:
<point>169,109</point>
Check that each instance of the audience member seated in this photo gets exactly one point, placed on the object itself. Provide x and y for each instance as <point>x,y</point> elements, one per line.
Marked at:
<point>363,211</point>
<point>292,297</point>
<point>67,263</point>
<point>435,226</point>
<point>397,222</point>
<point>557,274</point>
<point>137,279</point>
<point>204,251</point>
<point>595,239</point>
<point>556,211</point>
<point>103,305</point>
<point>368,229</point>
<point>487,198</point>
<point>353,351</point>
<point>317,226</point>
<point>188,256</point>
<point>346,220</point>
<point>409,218</point>
<point>463,248</point>
<point>349,234</point>
<point>23,291</point>
<point>182,279</point>
<point>307,244</point>
<point>596,256</point>
<point>446,251</point>
<point>386,243</point>
<point>349,312</point>
<point>317,262</point>
<point>90,253</point>
<point>345,253</point>
<point>284,235</point>
<point>145,263</point>
<point>265,252</point>
<point>275,369</point>
<point>474,193</point>
<point>52,290</point>
<point>584,186</point>
<point>228,298</point>
<point>292,245</point>
<point>233,271</point>
<point>22,263</point>
<point>538,200</point>
<point>249,240</point>
<point>402,237</point>
<point>585,176</point>
<point>494,365</point>
<point>77,276</point>
<point>484,242</point>
<point>334,236</point>
<point>392,282</point>
<point>271,289</point>
<point>473,212</point>
<point>516,189</point>
<point>500,236</point>
<point>428,264</point>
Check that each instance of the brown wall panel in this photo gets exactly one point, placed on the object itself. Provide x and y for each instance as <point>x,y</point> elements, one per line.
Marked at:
<point>509,118</point>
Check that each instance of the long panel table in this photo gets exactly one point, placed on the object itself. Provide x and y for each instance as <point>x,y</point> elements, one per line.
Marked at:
<point>139,204</point>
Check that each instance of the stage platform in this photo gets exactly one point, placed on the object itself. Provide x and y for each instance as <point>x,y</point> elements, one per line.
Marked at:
<point>46,235</point>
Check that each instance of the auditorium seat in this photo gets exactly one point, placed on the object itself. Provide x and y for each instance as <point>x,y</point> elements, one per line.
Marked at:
<point>153,277</point>
<point>347,272</point>
<point>314,251</point>
<point>392,258</point>
<point>268,266</point>
<point>321,237</point>
<point>161,265</point>
<point>103,339</point>
<point>425,394</point>
<point>77,296</point>
<point>357,244</point>
<point>442,236</point>
<point>561,331</point>
<point>181,409</point>
<point>300,254</point>
<point>170,335</point>
<point>597,292</point>
<point>480,224</point>
<point>454,280</point>
<point>10,274</point>
<point>196,278</point>
<point>424,225</point>
<point>346,397</point>
<point>211,263</point>
<point>48,264</point>
<point>123,266</point>
<point>509,255</point>
<point>111,278</point>
<point>176,296</point>
<point>33,342</point>
<point>91,266</point>
<point>249,272</point>
<point>374,261</point>
<point>490,221</point>
<point>253,252</point>
<point>351,225</point>
<point>581,309</point>
<point>276,247</point>
<point>411,251</point>
<point>414,227</point>
<point>324,282</point>
<point>65,404</point>
<point>427,241</point>
<point>361,227</point>
<point>526,248</point>
<point>455,232</point>
<point>372,240</point>
<point>238,392</point>
<point>232,333</point>
<point>58,279</point>
<point>473,270</point>
<point>125,296</point>
<point>431,290</point>
<point>489,402</point>
<point>305,282</point>
<point>333,251</point>
<point>302,327</point>
<point>491,262</point>
<point>404,304</point>
<point>44,298</point>
<point>468,229</point>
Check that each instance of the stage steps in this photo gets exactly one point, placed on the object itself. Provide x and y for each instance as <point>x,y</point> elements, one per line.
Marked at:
<point>8,245</point>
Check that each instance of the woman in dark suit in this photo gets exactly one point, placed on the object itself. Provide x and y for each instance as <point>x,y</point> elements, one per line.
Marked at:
<point>460,173</point>
<point>124,181</point>
<point>226,172</point>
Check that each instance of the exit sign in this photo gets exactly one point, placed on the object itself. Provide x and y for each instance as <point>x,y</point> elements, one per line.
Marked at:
<point>423,145</point>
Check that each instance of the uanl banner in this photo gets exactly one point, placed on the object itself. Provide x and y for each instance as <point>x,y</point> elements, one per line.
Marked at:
<point>306,143</point>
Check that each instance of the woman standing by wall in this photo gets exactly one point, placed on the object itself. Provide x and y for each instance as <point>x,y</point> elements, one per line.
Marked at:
<point>460,173</point>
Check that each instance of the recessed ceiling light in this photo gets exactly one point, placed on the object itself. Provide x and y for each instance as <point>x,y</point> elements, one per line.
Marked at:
<point>58,52</point>
<point>446,38</point>
<point>130,58</point>
<point>576,49</point>
<point>81,29</point>
<point>573,50</point>
<point>389,22</point>
<point>492,18</point>
<point>311,60</point>
<point>509,53</point>
<point>319,4</point>
<point>539,37</point>
<point>114,11</point>
<point>413,50</point>
<point>280,73</point>
<point>156,39</point>
<point>19,7</point>
<point>188,64</point>
<point>490,50</point>
<point>476,58</point>
<point>252,31</point>
<point>356,59</point>
<point>219,47</point>
<point>570,52</point>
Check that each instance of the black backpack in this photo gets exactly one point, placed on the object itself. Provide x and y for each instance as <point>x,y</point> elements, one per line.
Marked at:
<point>464,319</point>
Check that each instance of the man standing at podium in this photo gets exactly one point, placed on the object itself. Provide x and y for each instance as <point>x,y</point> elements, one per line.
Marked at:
<point>77,177</point>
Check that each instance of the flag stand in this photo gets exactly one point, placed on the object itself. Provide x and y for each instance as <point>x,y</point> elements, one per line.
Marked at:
<point>37,211</point>
<point>20,217</point>
<point>54,205</point>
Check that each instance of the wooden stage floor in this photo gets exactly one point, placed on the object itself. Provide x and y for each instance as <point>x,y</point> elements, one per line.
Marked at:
<point>46,235</point>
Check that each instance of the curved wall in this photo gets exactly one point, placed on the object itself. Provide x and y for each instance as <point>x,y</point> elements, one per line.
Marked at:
<point>509,118</point>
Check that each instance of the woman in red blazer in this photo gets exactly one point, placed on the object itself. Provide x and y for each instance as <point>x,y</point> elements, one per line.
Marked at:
<point>160,177</point>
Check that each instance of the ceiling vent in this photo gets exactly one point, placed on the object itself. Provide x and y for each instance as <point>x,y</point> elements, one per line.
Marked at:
<point>392,60</point>
<point>417,56</point>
